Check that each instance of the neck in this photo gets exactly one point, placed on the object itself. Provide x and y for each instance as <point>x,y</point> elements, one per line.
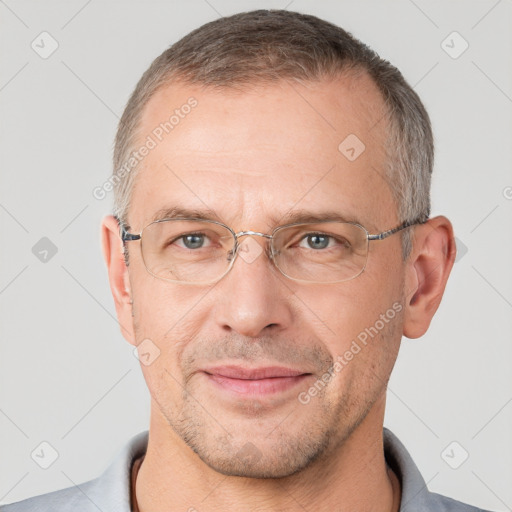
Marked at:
<point>353,476</point>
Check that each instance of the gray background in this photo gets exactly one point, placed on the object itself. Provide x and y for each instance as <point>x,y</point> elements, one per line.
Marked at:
<point>67,375</point>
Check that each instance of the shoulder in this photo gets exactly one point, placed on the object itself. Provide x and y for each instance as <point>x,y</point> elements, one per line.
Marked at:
<point>108,492</point>
<point>440,503</point>
<point>416,497</point>
<point>71,498</point>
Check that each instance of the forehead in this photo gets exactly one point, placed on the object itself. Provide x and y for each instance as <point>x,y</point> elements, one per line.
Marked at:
<point>252,155</point>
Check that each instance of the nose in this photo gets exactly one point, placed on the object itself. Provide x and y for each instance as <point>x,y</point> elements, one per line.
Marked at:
<point>253,300</point>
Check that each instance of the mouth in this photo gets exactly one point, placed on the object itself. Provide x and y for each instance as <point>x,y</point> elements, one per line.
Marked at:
<point>255,381</point>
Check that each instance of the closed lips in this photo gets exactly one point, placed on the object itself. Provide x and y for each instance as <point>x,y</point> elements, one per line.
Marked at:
<point>237,372</point>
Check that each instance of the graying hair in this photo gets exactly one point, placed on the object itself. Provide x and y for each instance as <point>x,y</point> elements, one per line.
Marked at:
<point>266,46</point>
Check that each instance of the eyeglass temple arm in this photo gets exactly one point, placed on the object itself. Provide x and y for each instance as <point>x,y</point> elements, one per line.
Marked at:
<point>385,234</point>
<point>125,236</point>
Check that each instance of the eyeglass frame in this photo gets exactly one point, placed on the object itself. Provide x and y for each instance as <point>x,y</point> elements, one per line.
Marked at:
<point>128,237</point>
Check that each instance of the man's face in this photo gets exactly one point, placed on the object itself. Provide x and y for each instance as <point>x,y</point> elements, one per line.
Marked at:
<point>253,157</point>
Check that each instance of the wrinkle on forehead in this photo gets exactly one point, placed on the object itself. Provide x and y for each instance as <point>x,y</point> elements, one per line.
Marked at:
<point>271,150</point>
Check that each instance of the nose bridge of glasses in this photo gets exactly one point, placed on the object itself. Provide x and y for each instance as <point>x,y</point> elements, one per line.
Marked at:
<point>252,233</point>
<point>240,234</point>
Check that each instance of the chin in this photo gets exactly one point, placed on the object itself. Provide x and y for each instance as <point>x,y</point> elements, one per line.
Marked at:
<point>261,458</point>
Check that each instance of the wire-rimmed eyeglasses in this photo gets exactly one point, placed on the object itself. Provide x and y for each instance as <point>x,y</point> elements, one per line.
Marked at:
<point>199,251</point>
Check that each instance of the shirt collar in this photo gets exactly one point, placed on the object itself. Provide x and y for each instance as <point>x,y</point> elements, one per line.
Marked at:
<point>112,489</point>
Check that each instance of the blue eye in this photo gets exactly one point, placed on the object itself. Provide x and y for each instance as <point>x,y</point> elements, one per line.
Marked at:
<point>192,240</point>
<point>317,241</point>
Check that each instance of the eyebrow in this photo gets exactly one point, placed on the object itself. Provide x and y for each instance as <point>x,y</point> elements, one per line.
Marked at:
<point>290,217</point>
<point>301,215</point>
<point>178,211</point>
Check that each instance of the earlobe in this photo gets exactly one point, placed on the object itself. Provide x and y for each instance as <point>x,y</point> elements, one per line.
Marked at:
<point>118,276</point>
<point>427,272</point>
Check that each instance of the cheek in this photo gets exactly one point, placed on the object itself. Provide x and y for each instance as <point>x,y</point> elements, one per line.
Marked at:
<point>169,315</point>
<point>341,313</point>
<point>165,321</point>
<point>363,337</point>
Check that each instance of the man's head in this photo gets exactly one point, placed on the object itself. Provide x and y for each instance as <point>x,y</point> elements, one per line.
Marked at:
<point>275,113</point>
<point>264,47</point>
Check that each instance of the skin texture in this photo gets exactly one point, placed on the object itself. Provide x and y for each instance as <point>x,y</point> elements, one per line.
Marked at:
<point>253,156</point>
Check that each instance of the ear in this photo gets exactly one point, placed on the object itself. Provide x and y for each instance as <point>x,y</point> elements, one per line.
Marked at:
<point>118,276</point>
<point>427,271</point>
